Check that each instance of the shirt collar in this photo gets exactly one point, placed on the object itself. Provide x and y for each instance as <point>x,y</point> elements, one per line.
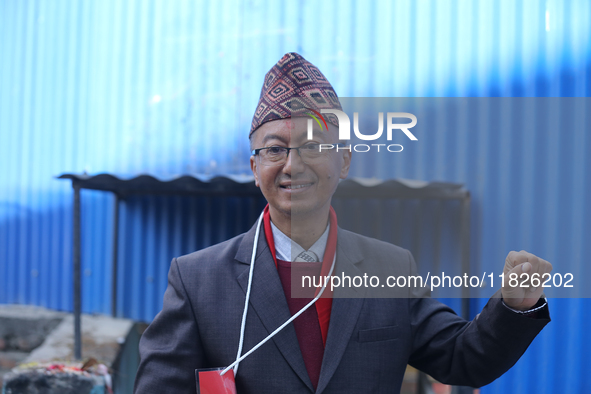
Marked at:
<point>285,248</point>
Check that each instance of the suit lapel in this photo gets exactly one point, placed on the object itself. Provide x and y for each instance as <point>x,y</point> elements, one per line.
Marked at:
<point>267,298</point>
<point>344,313</point>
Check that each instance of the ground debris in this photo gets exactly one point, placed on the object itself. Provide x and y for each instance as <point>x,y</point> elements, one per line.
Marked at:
<point>58,378</point>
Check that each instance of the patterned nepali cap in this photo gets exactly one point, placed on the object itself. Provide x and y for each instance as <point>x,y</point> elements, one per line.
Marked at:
<point>290,86</point>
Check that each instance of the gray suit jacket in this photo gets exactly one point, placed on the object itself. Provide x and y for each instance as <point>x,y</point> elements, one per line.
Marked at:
<point>369,343</point>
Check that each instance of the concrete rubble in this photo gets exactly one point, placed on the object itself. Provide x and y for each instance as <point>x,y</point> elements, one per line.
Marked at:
<point>42,342</point>
<point>23,327</point>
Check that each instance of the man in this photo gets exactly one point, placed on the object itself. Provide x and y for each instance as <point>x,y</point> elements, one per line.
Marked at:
<point>339,345</point>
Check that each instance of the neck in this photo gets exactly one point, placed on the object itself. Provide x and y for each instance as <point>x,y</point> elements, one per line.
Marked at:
<point>305,230</point>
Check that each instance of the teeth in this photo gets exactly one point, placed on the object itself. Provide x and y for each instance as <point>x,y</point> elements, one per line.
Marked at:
<point>297,186</point>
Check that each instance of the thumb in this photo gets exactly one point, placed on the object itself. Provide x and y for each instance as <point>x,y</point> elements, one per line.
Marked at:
<point>517,291</point>
<point>515,278</point>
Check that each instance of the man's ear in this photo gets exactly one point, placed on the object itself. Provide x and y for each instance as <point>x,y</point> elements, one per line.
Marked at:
<point>253,167</point>
<point>346,164</point>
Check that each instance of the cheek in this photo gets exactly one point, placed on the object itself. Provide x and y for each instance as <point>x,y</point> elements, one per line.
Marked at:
<point>267,178</point>
<point>334,171</point>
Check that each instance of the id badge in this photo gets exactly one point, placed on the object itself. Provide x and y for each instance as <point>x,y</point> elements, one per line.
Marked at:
<point>209,381</point>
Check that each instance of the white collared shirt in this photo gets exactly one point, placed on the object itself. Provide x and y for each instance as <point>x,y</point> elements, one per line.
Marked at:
<point>288,250</point>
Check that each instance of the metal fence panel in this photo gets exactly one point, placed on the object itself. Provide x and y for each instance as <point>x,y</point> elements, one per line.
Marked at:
<point>170,87</point>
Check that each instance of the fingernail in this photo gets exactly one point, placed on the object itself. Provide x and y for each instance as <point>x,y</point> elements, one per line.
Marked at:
<point>525,267</point>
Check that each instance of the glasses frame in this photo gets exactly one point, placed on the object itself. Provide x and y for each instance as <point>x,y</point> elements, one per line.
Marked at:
<point>255,152</point>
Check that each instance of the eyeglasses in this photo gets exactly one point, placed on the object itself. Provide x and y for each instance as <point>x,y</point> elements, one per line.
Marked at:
<point>310,153</point>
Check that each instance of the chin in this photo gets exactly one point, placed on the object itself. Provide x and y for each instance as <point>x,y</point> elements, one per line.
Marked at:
<point>302,208</point>
<point>298,207</point>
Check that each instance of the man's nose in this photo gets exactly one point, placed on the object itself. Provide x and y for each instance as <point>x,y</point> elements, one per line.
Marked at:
<point>294,163</point>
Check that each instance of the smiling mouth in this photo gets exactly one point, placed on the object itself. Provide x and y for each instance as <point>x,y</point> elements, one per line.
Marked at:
<point>290,187</point>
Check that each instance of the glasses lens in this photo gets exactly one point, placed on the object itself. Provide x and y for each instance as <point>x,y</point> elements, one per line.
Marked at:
<point>273,156</point>
<point>277,155</point>
<point>312,152</point>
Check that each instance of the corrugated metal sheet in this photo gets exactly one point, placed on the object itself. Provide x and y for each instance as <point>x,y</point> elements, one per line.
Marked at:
<point>169,87</point>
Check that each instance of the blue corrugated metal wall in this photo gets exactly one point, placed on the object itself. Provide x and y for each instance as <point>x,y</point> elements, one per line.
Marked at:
<point>168,87</point>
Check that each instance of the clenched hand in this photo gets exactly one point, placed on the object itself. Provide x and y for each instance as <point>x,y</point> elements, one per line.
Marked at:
<point>526,290</point>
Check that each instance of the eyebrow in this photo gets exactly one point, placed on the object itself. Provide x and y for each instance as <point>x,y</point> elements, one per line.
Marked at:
<point>302,135</point>
<point>315,133</point>
<point>274,137</point>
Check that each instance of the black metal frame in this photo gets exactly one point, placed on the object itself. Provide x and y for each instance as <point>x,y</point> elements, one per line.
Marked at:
<point>144,184</point>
